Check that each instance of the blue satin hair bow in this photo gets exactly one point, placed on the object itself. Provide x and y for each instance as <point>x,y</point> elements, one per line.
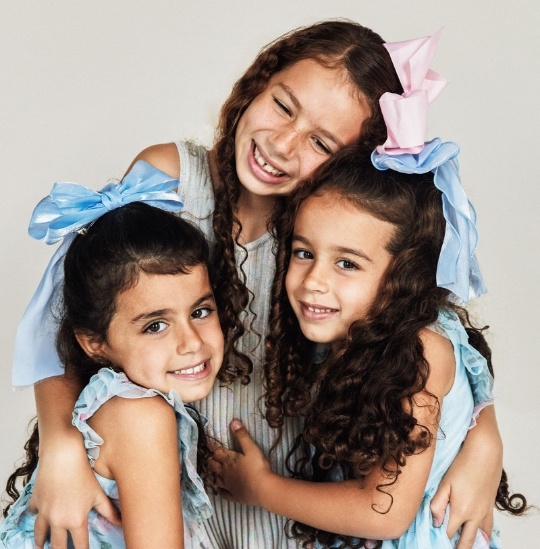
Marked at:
<point>68,209</point>
<point>458,269</point>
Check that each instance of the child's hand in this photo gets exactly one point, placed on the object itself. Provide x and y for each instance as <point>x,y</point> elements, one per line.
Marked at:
<point>64,492</point>
<point>241,474</point>
<point>470,484</point>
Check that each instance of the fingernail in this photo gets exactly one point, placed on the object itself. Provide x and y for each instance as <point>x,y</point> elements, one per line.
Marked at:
<point>236,424</point>
<point>436,522</point>
<point>486,537</point>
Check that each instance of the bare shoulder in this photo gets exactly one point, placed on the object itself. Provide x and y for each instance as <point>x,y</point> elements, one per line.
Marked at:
<point>439,353</point>
<point>164,157</point>
<point>127,425</point>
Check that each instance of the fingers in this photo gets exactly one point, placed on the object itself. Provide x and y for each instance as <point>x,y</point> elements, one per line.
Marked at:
<point>41,529</point>
<point>241,435</point>
<point>468,537</point>
<point>105,507</point>
<point>439,504</point>
<point>79,537</point>
<point>59,538</point>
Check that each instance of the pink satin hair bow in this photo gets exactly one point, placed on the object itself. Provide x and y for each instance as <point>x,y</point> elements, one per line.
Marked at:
<point>405,115</point>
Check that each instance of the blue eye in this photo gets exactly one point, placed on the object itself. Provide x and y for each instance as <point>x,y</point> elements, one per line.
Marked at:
<point>156,327</point>
<point>202,312</point>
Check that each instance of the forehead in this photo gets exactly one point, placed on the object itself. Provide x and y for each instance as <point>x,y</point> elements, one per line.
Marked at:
<point>163,291</point>
<point>331,220</point>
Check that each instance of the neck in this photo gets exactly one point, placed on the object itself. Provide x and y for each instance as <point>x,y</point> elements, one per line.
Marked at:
<point>253,211</point>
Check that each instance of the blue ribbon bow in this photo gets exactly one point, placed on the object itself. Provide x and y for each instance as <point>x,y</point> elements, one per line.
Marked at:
<point>69,208</point>
<point>457,269</point>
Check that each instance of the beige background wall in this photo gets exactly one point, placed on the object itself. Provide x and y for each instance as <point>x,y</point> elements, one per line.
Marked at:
<point>85,86</point>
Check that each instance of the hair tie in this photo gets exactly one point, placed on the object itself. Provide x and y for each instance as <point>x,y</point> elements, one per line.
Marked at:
<point>457,269</point>
<point>71,208</point>
<point>405,115</point>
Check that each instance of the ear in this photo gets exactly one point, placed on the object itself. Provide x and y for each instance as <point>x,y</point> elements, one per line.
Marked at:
<point>93,346</point>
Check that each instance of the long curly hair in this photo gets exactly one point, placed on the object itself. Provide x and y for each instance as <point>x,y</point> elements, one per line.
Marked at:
<point>337,44</point>
<point>358,403</point>
<point>98,266</point>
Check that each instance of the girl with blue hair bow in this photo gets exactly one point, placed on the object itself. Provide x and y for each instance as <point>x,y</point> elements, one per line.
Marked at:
<point>379,261</point>
<point>139,330</point>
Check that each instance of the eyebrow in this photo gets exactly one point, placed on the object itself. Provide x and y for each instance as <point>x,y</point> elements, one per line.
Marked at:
<point>298,105</point>
<point>164,312</point>
<point>339,249</point>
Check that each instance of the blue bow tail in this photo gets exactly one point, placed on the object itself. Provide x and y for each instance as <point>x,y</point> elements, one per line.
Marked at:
<point>34,354</point>
<point>69,208</point>
<point>457,269</point>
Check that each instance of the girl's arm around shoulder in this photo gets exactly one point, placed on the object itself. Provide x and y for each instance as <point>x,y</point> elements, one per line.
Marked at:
<point>164,157</point>
<point>368,508</point>
<point>140,451</point>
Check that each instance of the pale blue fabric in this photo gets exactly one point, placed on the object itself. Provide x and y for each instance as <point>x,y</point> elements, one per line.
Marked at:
<point>69,208</point>
<point>456,413</point>
<point>458,269</point>
<point>17,530</point>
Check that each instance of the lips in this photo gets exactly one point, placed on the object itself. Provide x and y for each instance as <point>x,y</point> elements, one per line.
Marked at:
<point>262,168</point>
<point>316,312</point>
<point>198,371</point>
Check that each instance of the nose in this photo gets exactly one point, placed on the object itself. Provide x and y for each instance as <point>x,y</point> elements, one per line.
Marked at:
<point>284,140</point>
<point>316,280</point>
<point>188,340</point>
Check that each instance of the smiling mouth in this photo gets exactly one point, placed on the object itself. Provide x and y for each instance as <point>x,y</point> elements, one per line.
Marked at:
<point>190,371</point>
<point>319,310</point>
<point>264,165</point>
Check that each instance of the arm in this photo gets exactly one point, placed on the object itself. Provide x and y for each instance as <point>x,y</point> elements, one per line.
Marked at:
<point>354,508</point>
<point>140,451</point>
<point>343,507</point>
<point>65,489</point>
<point>472,481</point>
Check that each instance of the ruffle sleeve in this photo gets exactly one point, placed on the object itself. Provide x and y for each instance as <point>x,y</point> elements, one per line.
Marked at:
<point>107,384</point>
<point>478,373</point>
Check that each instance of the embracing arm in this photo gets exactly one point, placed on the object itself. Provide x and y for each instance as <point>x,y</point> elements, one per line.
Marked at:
<point>355,508</point>
<point>472,481</point>
<point>140,451</point>
<point>65,489</point>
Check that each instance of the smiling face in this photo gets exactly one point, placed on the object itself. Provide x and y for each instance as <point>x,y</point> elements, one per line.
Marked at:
<point>165,334</point>
<point>305,114</point>
<point>338,260</point>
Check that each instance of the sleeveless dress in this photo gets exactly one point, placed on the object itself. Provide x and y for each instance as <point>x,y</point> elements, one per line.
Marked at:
<point>17,530</point>
<point>471,377</point>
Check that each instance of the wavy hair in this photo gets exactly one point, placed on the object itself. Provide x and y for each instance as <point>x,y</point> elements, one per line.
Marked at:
<point>336,44</point>
<point>358,404</point>
<point>98,266</point>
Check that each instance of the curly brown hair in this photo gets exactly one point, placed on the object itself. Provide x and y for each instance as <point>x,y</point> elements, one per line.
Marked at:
<point>337,44</point>
<point>358,404</point>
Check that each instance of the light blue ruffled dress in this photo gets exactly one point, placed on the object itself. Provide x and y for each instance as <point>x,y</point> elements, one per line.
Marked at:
<point>17,530</point>
<point>473,384</point>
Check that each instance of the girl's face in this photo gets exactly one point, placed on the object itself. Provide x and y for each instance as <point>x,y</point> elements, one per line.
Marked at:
<point>306,113</point>
<point>338,260</point>
<point>165,334</point>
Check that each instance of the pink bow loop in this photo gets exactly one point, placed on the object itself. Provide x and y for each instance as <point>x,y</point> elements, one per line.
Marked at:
<point>406,115</point>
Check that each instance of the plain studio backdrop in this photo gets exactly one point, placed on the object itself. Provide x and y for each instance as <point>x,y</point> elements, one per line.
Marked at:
<point>86,86</point>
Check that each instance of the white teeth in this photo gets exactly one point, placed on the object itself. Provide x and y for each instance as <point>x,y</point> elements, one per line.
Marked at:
<point>314,310</point>
<point>266,167</point>
<point>194,370</point>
